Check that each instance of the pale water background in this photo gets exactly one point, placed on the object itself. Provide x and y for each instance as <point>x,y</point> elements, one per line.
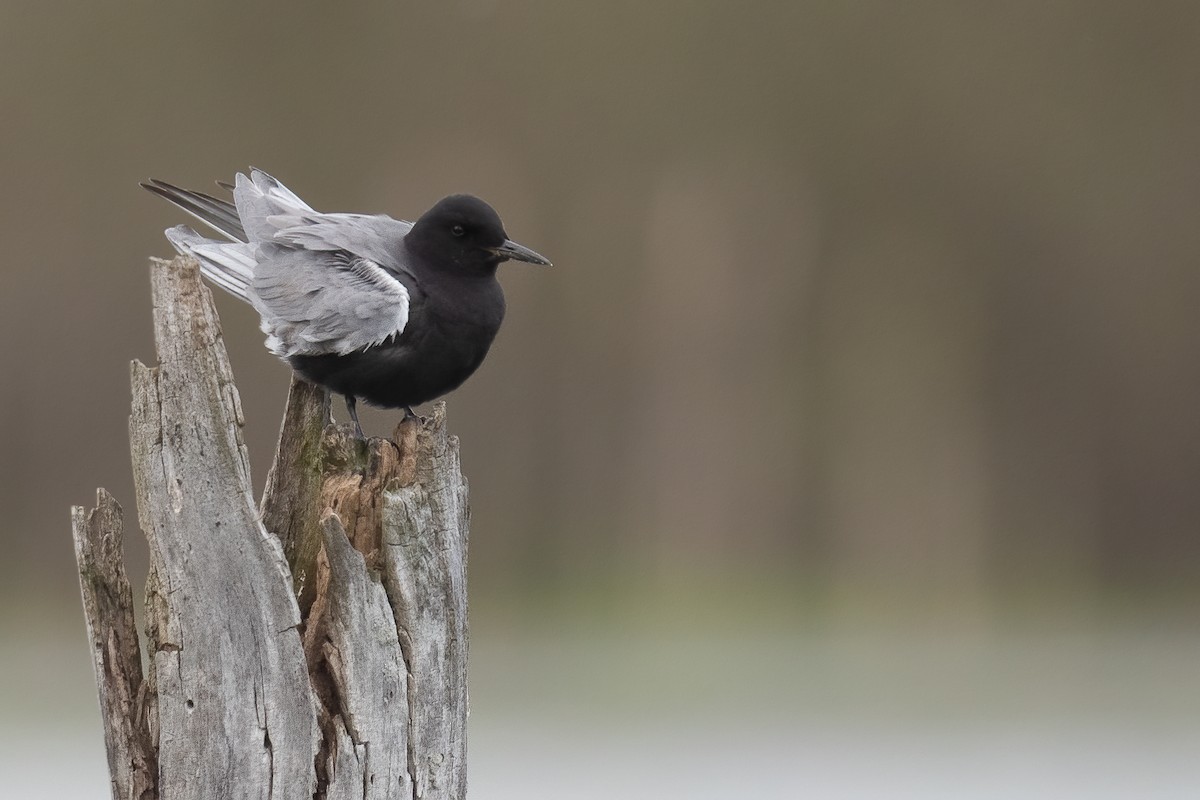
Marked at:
<point>647,715</point>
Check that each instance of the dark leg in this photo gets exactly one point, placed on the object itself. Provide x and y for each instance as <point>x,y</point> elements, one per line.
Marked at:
<point>410,414</point>
<point>352,407</point>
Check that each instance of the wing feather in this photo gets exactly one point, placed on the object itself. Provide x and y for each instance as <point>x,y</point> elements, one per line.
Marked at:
<point>323,302</point>
<point>259,197</point>
<point>322,283</point>
<point>376,238</point>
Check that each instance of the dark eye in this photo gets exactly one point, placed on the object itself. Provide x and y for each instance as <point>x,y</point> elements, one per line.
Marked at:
<point>458,231</point>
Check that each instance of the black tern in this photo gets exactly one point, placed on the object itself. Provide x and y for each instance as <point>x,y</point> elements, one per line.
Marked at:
<point>391,312</point>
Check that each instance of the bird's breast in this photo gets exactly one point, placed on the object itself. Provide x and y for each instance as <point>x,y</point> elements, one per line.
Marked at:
<point>443,343</point>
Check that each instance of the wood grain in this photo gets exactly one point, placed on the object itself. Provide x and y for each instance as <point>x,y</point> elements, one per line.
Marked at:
<point>313,646</point>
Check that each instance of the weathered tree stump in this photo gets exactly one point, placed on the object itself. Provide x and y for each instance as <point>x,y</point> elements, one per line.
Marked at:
<point>314,646</point>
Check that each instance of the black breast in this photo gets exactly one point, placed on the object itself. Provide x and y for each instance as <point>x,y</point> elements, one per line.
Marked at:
<point>446,338</point>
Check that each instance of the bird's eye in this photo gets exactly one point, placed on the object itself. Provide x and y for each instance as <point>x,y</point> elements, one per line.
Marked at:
<point>458,230</point>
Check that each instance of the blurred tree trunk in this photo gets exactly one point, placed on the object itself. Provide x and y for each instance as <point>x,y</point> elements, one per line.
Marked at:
<point>313,647</point>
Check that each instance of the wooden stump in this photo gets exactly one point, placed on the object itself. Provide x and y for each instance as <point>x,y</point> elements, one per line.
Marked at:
<point>314,646</point>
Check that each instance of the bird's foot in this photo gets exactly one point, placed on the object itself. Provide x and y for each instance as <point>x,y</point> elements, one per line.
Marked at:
<point>352,407</point>
<point>410,414</point>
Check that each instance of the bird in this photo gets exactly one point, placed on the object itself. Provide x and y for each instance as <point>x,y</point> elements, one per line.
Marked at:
<point>390,312</point>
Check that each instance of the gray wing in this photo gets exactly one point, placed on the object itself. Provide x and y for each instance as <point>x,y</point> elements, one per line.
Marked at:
<point>260,197</point>
<point>325,302</point>
<point>270,212</point>
<point>375,237</point>
<point>322,283</point>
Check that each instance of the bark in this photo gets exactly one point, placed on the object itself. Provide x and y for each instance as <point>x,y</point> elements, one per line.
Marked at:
<point>425,572</point>
<point>116,653</point>
<point>234,709</point>
<point>314,646</point>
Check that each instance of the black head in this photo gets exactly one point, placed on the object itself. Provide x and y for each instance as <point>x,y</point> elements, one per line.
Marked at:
<point>463,232</point>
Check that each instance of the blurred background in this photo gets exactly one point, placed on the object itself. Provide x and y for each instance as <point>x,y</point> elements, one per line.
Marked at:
<point>850,449</point>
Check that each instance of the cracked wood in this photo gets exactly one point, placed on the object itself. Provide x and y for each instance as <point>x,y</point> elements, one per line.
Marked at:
<point>315,647</point>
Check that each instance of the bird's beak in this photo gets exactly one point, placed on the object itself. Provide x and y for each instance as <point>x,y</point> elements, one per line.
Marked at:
<point>517,252</point>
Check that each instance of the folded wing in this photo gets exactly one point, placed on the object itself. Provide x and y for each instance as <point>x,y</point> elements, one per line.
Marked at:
<point>325,302</point>
<point>322,283</point>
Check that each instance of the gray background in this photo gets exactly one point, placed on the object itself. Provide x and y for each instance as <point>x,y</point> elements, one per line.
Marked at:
<point>850,449</point>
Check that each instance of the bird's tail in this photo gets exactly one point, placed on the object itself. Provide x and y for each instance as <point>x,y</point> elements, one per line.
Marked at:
<point>257,200</point>
<point>230,266</point>
<point>220,215</point>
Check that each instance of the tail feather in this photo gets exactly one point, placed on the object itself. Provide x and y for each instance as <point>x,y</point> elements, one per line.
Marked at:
<point>229,266</point>
<point>257,200</point>
<point>220,215</point>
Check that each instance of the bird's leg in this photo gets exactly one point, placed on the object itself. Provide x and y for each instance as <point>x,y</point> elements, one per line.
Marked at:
<point>410,414</point>
<point>352,407</point>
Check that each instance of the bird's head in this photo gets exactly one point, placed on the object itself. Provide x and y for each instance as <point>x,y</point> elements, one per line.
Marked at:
<point>466,233</point>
